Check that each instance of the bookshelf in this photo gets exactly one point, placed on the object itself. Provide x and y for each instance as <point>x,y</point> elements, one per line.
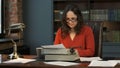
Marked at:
<point>92,10</point>
<point>96,11</point>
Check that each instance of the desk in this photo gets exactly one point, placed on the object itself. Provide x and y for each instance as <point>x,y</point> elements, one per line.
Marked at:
<point>40,64</point>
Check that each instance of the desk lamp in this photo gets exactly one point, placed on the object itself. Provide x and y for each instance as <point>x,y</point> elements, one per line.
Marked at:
<point>15,28</point>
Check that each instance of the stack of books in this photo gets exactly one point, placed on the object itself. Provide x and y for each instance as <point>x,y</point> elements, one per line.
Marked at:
<point>57,53</point>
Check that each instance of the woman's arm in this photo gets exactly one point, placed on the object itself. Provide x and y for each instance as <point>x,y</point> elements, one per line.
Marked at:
<point>57,37</point>
<point>89,44</point>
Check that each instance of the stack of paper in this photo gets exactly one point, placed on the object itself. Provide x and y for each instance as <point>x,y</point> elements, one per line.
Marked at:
<point>89,59</point>
<point>96,63</point>
<point>54,49</point>
<point>0,58</point>
<point>61,63</point>
<point>20,60</point>
<point>118,61</point>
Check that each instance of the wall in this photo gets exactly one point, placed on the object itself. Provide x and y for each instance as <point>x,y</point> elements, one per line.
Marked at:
<point>37,16</point>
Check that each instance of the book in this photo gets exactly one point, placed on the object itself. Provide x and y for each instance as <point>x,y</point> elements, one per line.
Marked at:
<point>55,51</point>
<point>70,57</point>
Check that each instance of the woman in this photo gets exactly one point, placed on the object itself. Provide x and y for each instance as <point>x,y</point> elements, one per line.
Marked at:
<point>74,33</point>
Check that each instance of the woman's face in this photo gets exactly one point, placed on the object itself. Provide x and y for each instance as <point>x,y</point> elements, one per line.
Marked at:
<point>71,19</point>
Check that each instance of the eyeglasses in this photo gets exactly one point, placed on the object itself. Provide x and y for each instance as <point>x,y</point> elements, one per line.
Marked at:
<point>71,19</point>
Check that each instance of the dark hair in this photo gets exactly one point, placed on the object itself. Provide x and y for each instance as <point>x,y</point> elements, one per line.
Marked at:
<point>65,28</point>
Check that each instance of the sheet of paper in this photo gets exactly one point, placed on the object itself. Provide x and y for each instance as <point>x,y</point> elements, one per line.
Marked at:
<point>96,63</point>
<point>53,46</point>
<point>89,58</point>
<point>0,58</point>
<point>60,63</point>
<point>19,60</point>
<point>118,61</point>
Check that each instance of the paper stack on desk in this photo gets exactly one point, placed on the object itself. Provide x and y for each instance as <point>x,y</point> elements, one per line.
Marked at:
<point>0,58</point>
<point>57,52</point>
<point>89,59</point>
<point>97,63</point>
<point>62,63</point>
<point>19,60</point>
<point>54,49</point>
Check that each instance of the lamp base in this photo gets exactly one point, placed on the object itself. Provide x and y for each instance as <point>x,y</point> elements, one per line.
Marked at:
<point>14,56</point>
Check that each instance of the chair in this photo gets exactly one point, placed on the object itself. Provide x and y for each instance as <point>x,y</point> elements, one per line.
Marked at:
<point>97,31</point>
<point>111,40</point>
<point>111,25</point>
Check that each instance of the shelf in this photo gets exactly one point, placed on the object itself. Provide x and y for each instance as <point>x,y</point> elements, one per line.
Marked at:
<point>94,11</point>
<point>111,43</point>
<point>105,1</point>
